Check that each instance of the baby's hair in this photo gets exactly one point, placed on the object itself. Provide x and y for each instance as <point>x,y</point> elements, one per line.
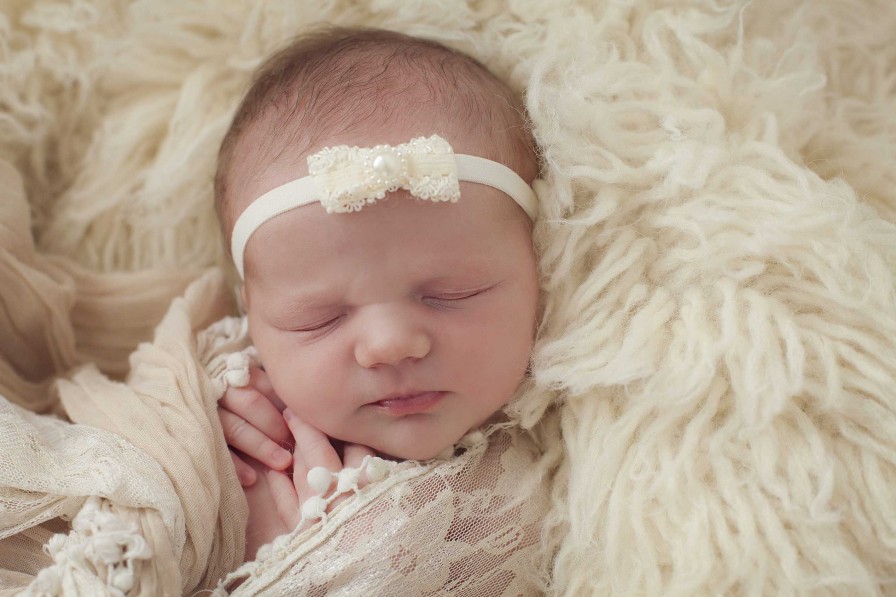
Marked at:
<point>337,78</point>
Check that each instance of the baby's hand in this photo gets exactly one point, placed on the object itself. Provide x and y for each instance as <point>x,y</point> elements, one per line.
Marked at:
<point>314,449</point>
<point>252,423</point>
<point>275,502</point>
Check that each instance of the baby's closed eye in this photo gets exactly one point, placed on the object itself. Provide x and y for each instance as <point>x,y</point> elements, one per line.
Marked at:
<point>454,298</point>
<point>317,325</point>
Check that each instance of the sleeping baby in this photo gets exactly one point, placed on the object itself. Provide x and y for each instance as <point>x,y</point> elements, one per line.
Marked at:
<point>376,193</point>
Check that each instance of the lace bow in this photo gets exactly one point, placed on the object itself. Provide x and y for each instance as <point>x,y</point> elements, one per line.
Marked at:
<point>348,178</point>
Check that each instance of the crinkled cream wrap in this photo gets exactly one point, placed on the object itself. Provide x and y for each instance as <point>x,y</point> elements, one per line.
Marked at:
<point>139,496</point>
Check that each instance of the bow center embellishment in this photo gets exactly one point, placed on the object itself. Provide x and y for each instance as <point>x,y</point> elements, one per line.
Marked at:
<point>348,178</point>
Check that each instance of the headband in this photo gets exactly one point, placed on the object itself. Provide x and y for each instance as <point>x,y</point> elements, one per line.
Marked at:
<point>345,179</point>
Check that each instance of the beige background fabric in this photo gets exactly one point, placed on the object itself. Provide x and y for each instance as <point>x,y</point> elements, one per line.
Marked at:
<point>716,231</point>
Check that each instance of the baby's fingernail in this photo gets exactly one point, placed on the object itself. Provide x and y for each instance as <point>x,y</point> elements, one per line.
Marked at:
<point>246,478</point>
<point>280,457</point>
<point>287,414</point>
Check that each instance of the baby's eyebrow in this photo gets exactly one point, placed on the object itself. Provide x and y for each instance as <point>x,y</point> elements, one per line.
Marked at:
<point>463,279</point>
<point>468,266</point>
<point>308,300</point>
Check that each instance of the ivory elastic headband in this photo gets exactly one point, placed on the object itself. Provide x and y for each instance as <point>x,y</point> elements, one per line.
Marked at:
<point>345,179</point>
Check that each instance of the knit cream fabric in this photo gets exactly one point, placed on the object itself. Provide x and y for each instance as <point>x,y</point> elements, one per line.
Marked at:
<point>718,249</point>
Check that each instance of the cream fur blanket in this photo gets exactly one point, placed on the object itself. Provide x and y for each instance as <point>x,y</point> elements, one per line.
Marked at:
<point>717,238</point>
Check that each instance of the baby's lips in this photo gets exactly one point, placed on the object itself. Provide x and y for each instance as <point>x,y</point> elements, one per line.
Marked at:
<point>409,404</point>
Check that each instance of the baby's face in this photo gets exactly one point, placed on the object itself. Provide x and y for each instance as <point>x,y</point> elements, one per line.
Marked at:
<point>399,327</point>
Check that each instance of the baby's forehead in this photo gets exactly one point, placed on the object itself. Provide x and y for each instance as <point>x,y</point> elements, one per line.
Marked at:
<point>429,236</point>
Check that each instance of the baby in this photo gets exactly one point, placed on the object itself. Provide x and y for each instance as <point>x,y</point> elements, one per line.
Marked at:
<point>375,190</point>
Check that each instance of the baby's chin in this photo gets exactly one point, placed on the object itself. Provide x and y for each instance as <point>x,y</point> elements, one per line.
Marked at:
<point>395,453</point>
<point>425,453</point>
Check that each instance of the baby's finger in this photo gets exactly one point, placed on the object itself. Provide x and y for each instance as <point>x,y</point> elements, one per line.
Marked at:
<point>354,457</point>
<point>264,521</point>
<point>252,442</point>
<point>245,473</point>
<point>313,503</point>
<point>259,380</point>
<point>313,449</point>
<point>313,444</point>
<point>256,408</point>
<point>285,497</point>
<point>300,477</point>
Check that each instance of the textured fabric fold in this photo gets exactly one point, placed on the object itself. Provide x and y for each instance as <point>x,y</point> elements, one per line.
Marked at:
<point>143,472</point>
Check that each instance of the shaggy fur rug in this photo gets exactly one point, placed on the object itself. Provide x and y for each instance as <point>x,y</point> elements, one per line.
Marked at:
<point>717,238</point>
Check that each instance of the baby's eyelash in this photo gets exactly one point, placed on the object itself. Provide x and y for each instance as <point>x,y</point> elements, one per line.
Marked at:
<point>454,297</point>
<point>318,326</point>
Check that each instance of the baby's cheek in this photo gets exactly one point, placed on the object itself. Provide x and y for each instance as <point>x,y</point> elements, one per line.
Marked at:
<point>311,386</point>
<point>280,366</point>
<point>510,359</point>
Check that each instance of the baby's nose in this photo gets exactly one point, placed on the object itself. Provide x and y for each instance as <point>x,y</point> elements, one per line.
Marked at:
<point>390,337</point>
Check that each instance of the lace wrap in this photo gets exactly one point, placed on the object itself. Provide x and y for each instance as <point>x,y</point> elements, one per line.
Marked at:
<point>469,525</point>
